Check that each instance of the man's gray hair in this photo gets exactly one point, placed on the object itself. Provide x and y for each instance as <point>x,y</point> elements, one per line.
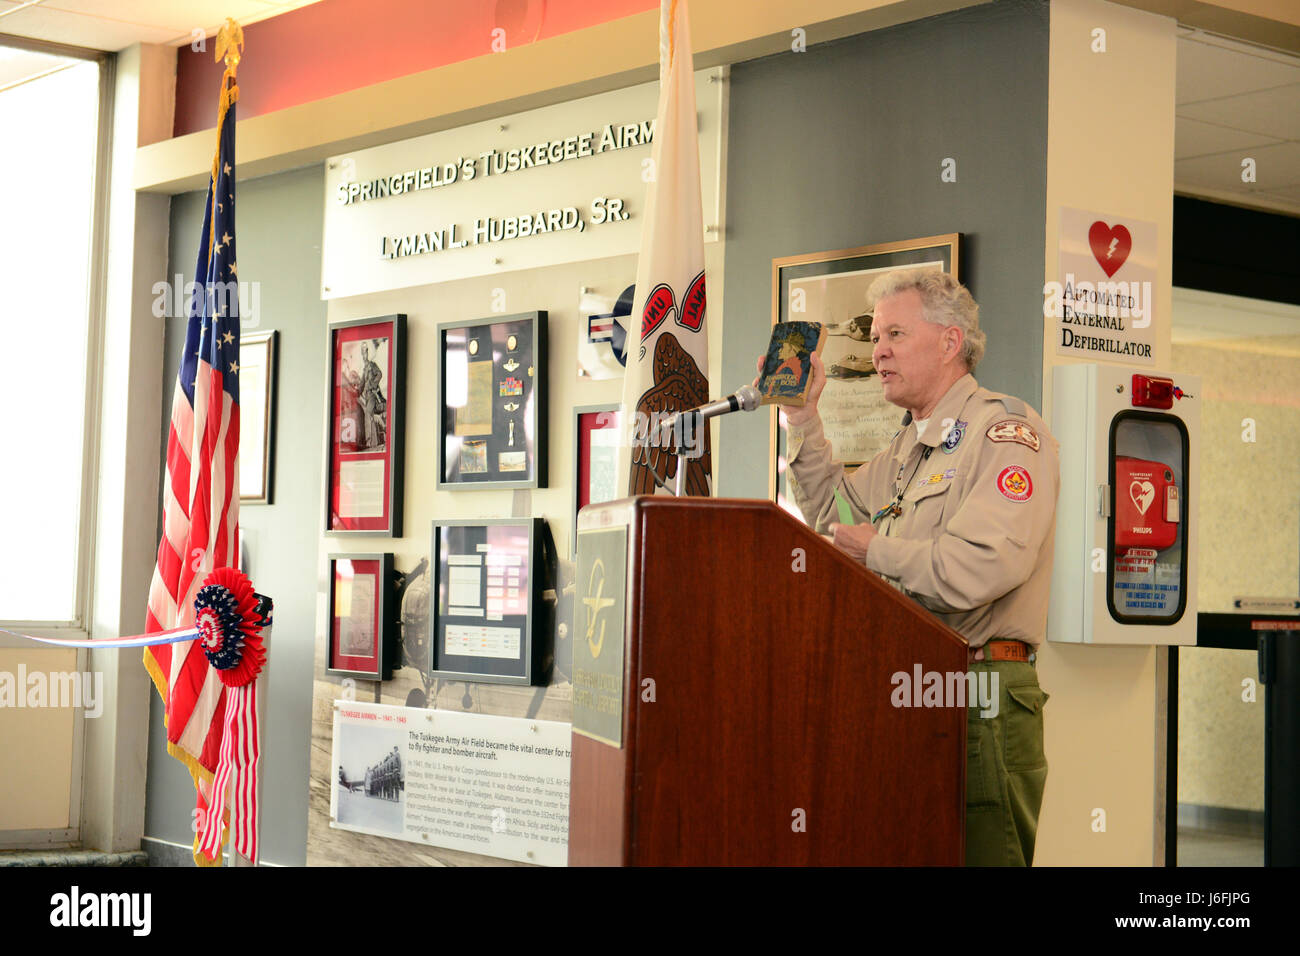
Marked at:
<point>944,301</point>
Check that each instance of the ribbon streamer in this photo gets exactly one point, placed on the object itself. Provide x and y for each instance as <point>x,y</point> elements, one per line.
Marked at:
<point>237,762</point>
<point>173,636</point>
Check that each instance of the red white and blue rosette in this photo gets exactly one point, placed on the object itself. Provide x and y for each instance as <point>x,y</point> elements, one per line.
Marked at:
<point>228,628</point>
<point>225,613</point>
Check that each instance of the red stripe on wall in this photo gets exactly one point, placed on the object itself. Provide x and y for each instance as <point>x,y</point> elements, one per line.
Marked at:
<point>334,46</point>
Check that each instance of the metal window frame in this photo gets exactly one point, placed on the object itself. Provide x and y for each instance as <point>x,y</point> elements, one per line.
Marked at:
<point>79,626</point>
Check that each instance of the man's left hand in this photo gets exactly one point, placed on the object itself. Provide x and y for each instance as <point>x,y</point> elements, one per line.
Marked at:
<point>853,539</point>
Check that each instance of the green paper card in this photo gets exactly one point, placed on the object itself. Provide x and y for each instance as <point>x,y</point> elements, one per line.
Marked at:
<point>846,513</point>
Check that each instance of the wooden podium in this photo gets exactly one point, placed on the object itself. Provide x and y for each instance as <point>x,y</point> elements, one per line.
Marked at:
<point>757,721</point>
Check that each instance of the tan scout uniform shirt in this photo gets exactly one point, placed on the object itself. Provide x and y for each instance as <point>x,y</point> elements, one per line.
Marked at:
<point>974,540</point>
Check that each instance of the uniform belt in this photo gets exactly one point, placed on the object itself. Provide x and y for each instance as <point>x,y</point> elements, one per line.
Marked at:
<point>1000,650</point>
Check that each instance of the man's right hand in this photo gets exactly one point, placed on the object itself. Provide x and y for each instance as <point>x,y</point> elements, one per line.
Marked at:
<point>802,414</point>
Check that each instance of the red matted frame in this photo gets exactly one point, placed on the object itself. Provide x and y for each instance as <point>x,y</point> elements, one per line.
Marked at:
<point>345,572</point>
<point>364,456</point>
<point>587,419</point>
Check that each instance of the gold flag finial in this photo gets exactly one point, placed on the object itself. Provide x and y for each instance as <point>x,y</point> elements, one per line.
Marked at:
<point>230,44</point>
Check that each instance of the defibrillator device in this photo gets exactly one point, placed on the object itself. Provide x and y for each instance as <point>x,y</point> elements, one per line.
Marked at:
<point>1147,505</point>
<point>1124,570</point>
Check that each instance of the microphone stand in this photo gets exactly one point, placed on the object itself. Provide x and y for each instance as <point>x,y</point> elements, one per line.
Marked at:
<point>683,457</point>
<point>746,399</point>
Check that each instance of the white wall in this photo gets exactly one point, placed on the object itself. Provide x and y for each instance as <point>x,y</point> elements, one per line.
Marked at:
<point>1110,148</point>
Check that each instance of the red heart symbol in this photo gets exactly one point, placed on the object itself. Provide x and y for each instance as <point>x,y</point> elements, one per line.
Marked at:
<point>1110,246</point>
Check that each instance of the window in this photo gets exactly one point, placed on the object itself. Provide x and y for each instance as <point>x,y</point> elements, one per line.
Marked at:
<point>50,105</point>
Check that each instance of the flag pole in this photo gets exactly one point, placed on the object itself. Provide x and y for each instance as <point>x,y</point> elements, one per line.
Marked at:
<point>229,47</point>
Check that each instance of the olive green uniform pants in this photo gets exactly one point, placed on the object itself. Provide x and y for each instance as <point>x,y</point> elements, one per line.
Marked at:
<point>1006,769</point>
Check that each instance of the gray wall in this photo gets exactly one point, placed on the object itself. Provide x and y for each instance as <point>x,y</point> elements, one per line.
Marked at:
<point>841,146</point>
<point>278,241</point>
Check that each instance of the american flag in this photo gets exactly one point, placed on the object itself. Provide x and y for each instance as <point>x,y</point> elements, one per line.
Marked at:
<point>201,489</point>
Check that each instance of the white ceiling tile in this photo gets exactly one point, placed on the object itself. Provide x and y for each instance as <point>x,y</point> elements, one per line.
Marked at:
<point>1194,138</point>
<point>1290,193</point>
<point>115,24</point>
<point>179,17</point>
<point>1208,72</point>
<point>1211,172</point>
<point>1274,112</point>
<point>58,26</point>
<point>1276,167</point>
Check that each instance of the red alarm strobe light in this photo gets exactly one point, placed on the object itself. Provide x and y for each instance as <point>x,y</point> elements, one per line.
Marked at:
<point>1150,391</point>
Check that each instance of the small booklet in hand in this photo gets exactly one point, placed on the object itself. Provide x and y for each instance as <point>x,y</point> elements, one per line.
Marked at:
<point>787,370</point>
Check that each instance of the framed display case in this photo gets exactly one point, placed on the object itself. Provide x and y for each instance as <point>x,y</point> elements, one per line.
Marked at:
<point>256,416</point>
<point>486,601</point>
<point>492,401</point>
<point>362,638</point>
<point>365,423</point>
<point>596,435</point>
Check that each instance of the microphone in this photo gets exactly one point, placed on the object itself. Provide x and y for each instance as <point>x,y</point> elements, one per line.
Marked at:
<point>744,399</point>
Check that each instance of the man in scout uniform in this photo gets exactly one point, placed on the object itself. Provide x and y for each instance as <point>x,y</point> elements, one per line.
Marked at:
<point>959,513</point>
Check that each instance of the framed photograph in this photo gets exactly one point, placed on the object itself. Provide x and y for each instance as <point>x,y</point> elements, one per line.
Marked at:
<point>362,639</point>
<point>256,416</point>
<point>492,375</point>
<point>595,466</point>
<point>831,288</point>
<point>485,601</point>
<point>365,418</point>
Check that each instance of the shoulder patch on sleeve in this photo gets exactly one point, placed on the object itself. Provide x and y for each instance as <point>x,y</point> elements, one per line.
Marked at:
<point>1011,429</point>
<point>1014,483</point>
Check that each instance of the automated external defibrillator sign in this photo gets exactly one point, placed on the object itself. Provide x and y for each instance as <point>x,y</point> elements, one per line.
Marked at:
<point>1125,569</point>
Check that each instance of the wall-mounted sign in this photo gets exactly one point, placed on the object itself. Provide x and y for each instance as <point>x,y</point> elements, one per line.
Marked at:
<point>559,184</point>
<point>1102,298</point>
<point>485,784</point>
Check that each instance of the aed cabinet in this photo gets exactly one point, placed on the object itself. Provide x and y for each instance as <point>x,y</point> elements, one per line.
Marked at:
<point>1124,570</point>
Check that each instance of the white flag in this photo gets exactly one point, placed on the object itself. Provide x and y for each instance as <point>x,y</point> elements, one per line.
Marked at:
<point>668,353</point>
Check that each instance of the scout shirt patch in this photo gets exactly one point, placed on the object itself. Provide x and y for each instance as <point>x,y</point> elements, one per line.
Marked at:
<point>1013,430</point>
<point>1014,483</point>
<point>936,477</point>
<point>954,436</point>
